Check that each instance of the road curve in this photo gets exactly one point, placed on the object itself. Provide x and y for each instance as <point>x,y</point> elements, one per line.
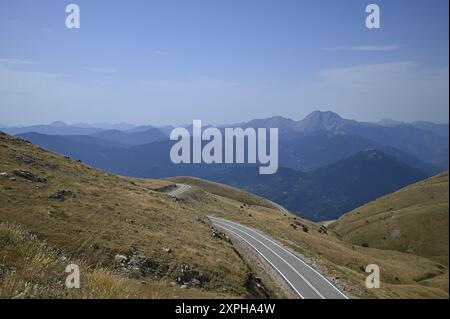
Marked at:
<point>280,208</point>
<point>307,282</point>
<point>181,188</point>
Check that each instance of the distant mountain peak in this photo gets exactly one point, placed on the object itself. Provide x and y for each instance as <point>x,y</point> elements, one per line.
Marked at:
<point>278,117</point>
<point>58,124</point>
<point>322,120</point>
<point>284,125</point>
<point>273,119</point>
<point>323,115</point>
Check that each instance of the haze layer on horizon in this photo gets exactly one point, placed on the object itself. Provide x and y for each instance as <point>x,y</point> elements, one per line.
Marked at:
<point>168,62</point>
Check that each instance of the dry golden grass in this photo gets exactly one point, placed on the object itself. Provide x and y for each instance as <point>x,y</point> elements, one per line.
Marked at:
<point>109,214</point>
<point>32,269</point>
<point>413,220</point>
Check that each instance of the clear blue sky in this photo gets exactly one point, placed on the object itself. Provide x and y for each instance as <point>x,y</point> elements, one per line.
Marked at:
<point>161,62</point>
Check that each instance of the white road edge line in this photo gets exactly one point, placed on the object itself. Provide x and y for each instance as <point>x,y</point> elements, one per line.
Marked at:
<point>295,270</point>
<point>262,255</point>
<point>295,256</point>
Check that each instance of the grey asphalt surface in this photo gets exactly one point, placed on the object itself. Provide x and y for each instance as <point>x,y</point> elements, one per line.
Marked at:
<point>307,282</point>
<point>181,188</point>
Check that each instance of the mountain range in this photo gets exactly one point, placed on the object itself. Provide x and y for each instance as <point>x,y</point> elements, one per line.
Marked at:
<point>321,142</point>
<point>425,140</point>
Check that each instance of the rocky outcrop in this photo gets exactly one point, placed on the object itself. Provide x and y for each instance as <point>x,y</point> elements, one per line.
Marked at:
<point>61,194</point>
<point>218,234</point>
<point>136,266</point>
<point>186,275</point>
<point>29,176</point>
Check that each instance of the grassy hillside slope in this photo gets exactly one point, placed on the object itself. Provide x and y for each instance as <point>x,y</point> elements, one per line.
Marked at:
<point>54,210</point>
<point>92,216</point>
<point>412,220</point>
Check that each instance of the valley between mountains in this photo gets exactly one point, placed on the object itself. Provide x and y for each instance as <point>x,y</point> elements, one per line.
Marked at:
<point>132,240</point>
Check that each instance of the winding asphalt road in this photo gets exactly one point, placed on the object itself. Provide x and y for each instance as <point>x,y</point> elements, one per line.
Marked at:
<point>306,281</point>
